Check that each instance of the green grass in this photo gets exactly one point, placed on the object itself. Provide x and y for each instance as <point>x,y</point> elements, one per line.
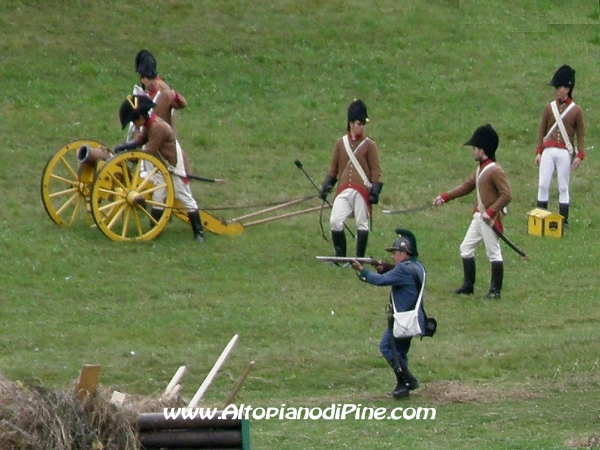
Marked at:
<point>268,83</point>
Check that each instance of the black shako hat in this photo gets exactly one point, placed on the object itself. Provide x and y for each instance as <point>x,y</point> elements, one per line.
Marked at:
<point>145,64</point>
<point>357,111</point>
<point>133,107</point>
<point>407,234</point>
<point>485,138</point>
<point>563,77</point>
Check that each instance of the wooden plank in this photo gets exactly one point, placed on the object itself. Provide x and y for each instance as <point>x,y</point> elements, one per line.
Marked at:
<point>87,384</point>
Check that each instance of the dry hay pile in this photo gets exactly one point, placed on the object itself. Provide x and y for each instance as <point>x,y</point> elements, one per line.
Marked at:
<point>35,418</point>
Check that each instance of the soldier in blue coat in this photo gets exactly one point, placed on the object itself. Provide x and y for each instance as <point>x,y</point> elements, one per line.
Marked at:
<point>405,277</point>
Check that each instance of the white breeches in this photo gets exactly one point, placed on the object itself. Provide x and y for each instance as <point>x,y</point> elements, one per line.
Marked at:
<point>349,203</point>
<point>559,159</point>
<point>480,231</point>
<point>182,192</point>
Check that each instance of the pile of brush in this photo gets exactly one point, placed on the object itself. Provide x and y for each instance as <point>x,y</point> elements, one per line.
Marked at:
<point>35,418</point>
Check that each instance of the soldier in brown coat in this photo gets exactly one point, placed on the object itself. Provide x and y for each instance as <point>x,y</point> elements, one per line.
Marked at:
<point>158,139</point>
<point>358,187</point>
<point>555,151</point>
<point>493,193</point>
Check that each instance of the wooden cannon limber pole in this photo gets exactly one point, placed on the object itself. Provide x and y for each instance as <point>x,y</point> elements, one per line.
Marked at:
<point>274,208</point>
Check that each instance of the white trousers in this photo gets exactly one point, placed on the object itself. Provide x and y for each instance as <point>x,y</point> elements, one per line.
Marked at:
<point>480,231</point>
<point>182,192</point>
<point>349,203</point>
<point>559,159</point>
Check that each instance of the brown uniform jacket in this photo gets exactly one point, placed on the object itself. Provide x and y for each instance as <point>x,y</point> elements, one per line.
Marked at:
<point>367,156</point>
<point>159,140</point>
<point>574,125</point>
<point>494,190</point>
<point>166,99</point>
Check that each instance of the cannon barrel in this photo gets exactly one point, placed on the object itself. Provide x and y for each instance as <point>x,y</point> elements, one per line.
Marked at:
<point>90,155</point>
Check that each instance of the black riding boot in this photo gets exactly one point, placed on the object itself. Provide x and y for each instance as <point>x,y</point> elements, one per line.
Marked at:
<point>563,210</point>
<point>196,224</point>
<point>543,205</point>
<point>156,214</point>
<point>362,237</point>
<point>339,242</point>
<point>469,277</point>
<point>401,389</point>
<point>496,280</point>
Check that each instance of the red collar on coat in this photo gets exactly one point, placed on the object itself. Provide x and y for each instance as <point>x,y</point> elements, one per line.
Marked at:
<point>487,162</point>
<point>150,120</point>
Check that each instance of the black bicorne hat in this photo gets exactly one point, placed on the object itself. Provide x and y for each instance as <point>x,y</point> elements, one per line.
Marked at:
<point>358,111</point>
<point>485,138</point>
<point>145,64</point>
<point>133,107</point>
<point>563,77</point>
<point>404,233</point>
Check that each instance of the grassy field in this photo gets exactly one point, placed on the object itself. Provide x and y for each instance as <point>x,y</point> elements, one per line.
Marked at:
<point>268,83</point>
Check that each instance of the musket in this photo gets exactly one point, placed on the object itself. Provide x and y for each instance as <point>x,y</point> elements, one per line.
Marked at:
<point>348,259</point>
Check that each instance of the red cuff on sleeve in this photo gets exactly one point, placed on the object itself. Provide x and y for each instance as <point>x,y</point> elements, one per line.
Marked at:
<point>445,197</point>
<point>490,212</point>
<point>539,150</point>
<point>581,155</point>
<point>177,98</point>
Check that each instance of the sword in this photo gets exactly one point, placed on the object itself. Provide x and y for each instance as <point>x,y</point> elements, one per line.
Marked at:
<point>510,244</point>
<point>409,210</point>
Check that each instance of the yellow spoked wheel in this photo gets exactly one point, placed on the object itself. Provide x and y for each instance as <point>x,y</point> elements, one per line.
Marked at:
<point>122,197</point>
<point>66,184</point>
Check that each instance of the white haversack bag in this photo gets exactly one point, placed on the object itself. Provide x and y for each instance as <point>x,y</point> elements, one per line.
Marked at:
<point>406,323</point>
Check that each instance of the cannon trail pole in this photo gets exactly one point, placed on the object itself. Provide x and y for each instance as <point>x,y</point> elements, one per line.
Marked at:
<point>213,372</point>
<point>238,385</point>
<point>299,166</point>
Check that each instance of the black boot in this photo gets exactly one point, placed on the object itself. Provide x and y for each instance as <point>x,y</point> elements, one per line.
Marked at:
<point>196,224</point>
<point>496,280</point>
<point>339,242</point>
<point>563,210</point>
<point>469,277</point>
<point>541,204</point>
<point>362,237</point>
<point>401,389</point>
<point>156,214</point>
<point>411,382</point>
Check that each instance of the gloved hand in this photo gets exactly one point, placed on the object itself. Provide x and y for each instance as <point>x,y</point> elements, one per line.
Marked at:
<point>124,146</point>
<point>374,194</point>
<point>327,187</point>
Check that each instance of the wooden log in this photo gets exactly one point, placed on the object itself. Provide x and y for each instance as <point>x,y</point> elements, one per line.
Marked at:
<point>157,422</point>
<point>192,438</point>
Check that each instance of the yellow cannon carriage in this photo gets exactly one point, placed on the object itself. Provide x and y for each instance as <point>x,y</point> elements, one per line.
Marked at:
<point>114,192</point>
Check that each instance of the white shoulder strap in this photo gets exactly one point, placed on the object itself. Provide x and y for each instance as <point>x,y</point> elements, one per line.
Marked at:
<point>355,162</point>
<point>561,126</point>
<point>419,299</point>
<point>478,174</point>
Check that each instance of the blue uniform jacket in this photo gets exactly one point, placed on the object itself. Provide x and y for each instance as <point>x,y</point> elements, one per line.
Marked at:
<point>404,290</point>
